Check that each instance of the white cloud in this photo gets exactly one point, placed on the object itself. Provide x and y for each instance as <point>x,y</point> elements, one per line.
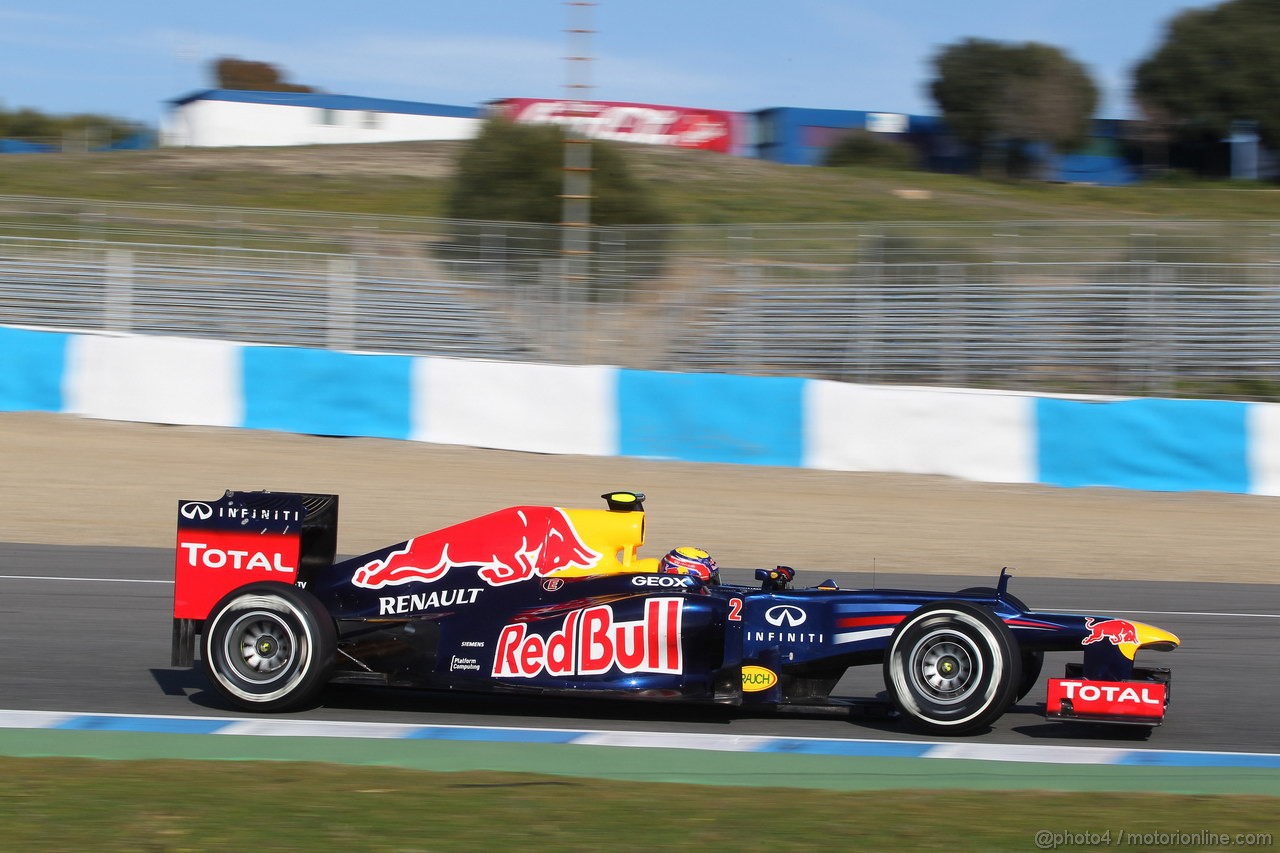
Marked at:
<point>464,69</point>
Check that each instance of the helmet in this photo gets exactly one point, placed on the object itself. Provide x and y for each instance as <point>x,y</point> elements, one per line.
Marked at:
<point>690,561</point>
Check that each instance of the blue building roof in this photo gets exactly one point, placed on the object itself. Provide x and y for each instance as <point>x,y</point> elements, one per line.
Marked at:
<point>323,101</point>
<point>21,146</point>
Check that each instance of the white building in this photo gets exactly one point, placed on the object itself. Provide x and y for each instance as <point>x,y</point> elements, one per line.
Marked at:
<point>225,117</point>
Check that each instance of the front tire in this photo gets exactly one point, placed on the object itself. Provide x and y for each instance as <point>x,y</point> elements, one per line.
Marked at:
<point>1032,664</point>
<point>1032,661</point>
<point>952,667</point>
<point>269,647</point>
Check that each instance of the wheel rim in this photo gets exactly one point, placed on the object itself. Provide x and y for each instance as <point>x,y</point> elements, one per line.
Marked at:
<point>945,667</point>
<point>260,646</point>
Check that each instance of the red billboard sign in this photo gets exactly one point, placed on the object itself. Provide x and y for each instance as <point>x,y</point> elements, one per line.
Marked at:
<point>683,127</point>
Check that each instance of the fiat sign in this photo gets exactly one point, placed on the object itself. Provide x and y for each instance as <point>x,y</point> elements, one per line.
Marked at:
<point>683,127</point>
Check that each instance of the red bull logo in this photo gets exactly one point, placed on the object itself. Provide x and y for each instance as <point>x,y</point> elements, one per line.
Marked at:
<point>1116,631</point>
<point>507,546</point>
<point>591,642</point>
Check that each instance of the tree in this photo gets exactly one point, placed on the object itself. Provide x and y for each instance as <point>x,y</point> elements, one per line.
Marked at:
<point>80,130</point>
<point>248,76</point>
<point>1153,133</point>
<point>1217,66</point>
<point>29,124</point>
<point>514,173</point>
<point>999,97</point>
<point>509,173</point>
<point>864,148</point>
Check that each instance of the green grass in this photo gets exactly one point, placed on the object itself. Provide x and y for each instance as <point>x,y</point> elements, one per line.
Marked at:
<point>412,179</point>
<point>60,804</point>
<point>72,804</point>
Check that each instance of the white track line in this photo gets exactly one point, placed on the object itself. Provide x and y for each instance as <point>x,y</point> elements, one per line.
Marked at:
<point>1161,612</point>
<point>77,580</point>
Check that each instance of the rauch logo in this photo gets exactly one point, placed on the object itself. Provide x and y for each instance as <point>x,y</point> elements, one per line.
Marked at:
<point>757,678</point>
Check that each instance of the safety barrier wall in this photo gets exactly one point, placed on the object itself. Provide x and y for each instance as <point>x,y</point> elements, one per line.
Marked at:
<point>1136,308</point>
<point>1152,444</point>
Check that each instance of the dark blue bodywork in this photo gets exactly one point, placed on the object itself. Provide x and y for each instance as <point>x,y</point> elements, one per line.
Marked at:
<point>447,634</point>
<point>518,602</point>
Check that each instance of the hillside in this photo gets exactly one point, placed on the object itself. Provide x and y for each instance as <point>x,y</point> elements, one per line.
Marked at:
<point>411,179</point>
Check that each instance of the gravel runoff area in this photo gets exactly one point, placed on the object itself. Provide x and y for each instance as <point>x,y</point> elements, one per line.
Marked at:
<point>70,480</point>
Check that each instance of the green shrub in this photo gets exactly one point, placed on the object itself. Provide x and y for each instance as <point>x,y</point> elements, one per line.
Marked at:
<point>515,173</point>
<point>863,148</point>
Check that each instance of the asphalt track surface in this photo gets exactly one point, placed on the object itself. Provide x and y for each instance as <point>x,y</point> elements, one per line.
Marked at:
<point>87,629</point>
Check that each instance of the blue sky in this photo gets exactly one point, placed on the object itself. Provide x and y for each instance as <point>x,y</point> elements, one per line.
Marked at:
<point>126,58</point>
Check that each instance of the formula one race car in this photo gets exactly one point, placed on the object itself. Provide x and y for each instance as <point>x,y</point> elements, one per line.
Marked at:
<point>543,600</point>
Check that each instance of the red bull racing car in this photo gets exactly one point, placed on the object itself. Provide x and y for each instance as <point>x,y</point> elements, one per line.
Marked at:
<point>545,600</point>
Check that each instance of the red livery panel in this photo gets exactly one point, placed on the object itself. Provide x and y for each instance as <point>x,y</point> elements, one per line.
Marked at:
<point>1073,697</point>
<point>208,563</point>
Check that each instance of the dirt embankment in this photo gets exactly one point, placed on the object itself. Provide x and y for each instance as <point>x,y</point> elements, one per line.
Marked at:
<point>76,481</point>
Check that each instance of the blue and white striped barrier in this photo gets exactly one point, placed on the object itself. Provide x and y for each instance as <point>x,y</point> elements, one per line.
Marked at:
<point>854,748</point>
<point>1151,444</point>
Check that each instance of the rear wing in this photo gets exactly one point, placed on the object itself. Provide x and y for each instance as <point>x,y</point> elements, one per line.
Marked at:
<point>243,538</point>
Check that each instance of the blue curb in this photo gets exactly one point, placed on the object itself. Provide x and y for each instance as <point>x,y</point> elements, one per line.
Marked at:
<point>853,748</point>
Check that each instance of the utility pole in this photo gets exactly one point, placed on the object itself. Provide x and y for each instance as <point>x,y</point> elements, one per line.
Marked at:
<point>575,196</point>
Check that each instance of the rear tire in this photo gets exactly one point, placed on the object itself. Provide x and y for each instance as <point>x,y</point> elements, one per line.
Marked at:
<point>269,647</point>
<point>952,667</point>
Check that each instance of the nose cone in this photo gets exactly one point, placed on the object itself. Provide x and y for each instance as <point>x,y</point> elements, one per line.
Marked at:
<point>1149,637</point>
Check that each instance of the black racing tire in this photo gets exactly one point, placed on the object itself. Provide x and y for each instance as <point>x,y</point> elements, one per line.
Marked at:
<point>269,647</point>
<point>1032,661</point>
<point>1032,664</point>
<point>952,667</point>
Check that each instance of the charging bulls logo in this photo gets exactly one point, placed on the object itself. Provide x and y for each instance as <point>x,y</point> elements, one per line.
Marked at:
<point>507,546</point>
<point>1116,631</point>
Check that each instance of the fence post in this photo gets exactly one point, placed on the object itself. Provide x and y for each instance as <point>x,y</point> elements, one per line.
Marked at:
<point>865,330</point>
<point>118,305</point>
<point>747,282</point>
<point>1140,322</point>
<point>342,303</point>
<point>953,346</point>
<point>1162,351</point>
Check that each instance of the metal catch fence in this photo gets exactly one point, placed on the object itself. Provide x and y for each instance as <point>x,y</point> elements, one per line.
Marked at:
<point>1144,307</point>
